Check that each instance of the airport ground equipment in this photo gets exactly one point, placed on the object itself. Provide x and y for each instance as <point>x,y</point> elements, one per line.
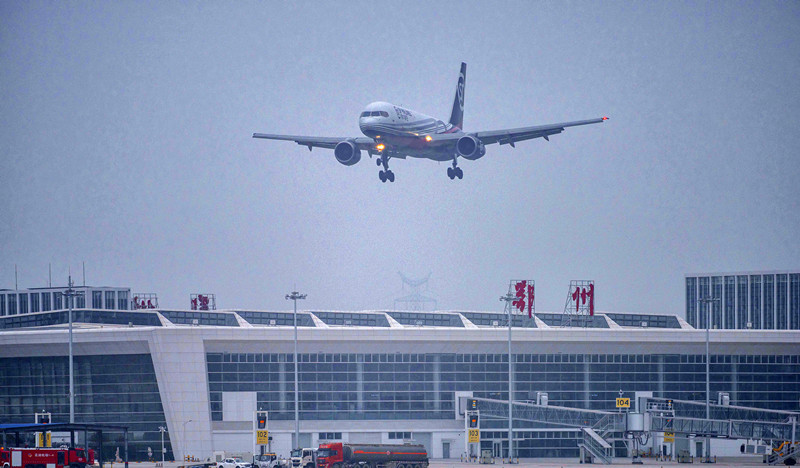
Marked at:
<point>304,458</point>
<point>343,455</point>
<point>46,457</point>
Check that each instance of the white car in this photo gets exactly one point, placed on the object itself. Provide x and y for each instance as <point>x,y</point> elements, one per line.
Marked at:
<point>234,463</point>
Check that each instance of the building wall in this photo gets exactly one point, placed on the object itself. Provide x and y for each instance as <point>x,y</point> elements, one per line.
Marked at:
<point>370,380</point>
<point>760,300</point>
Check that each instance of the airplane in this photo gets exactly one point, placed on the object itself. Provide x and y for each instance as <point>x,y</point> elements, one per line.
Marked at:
<point>395,132</point>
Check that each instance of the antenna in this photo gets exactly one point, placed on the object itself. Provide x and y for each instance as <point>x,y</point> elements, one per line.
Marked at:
<point>15,277</point>
<point>49,275</point>
<point>84,273</point>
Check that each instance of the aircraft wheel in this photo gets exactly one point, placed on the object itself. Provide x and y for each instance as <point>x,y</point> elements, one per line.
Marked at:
<point>459,173</point>
<point>450,173</point>
<point>378,161</point>
<point>390,176</point>
<point>382,176</point>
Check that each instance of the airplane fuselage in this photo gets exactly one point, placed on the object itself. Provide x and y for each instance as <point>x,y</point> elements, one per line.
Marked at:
<point>404,130</point>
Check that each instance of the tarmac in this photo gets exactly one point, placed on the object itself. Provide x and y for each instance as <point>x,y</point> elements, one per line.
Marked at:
<point>722,462</point>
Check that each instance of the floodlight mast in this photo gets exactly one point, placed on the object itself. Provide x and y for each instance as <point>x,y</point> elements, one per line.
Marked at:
<point>294,296</point>
<point>507,299</point>
<point>70,294</point>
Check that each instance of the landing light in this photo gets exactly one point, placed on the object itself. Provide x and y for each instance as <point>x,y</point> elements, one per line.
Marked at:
<point>605,118</point>
<point>380,147</point>
<point>428,138</point>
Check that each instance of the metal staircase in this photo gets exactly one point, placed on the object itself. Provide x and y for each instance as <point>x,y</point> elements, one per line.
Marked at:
<point>595,447</point>
<point>786,451</point>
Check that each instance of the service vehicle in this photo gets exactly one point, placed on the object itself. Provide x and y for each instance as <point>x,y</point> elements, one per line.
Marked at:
<point>343,455</point>
<point>63,457</point>
<point>304,458</point>
<point>264,460</point>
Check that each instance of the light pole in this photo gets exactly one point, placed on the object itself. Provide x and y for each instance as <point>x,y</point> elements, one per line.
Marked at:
<point>507,299</point>
<point>185,457</point>
<point>708,301</point>
<point>294,296</point>
<point>69,294</point>
<point>162,429</point>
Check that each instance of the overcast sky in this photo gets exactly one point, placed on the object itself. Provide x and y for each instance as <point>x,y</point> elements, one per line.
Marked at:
<point>125,142</point>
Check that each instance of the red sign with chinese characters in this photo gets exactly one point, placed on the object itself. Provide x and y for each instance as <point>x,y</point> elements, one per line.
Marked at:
<point>582,295</point>
<point>525,295</point>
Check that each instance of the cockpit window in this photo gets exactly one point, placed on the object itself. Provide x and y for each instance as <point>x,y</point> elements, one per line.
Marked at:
<point>365,114</point>
<point>384,114</point>
<point>376,113</point>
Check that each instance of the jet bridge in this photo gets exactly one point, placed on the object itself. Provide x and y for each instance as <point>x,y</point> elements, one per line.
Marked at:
<point>601,428</point>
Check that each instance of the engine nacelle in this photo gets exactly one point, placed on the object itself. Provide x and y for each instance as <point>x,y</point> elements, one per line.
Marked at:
<point>347,153</point>
<point>469,147</point>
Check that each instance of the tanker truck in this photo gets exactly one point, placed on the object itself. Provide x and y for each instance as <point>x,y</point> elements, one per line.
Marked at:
<point>339,455</point>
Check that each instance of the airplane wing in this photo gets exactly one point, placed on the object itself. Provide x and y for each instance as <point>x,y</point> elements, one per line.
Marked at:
<point>318,142</point>
<point>513,135</point>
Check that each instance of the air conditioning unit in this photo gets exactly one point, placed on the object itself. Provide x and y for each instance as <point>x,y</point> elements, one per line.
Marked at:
<point>272,322</point>
<point>495,323</point>
<point>418,323</point>
<point>348,322</point>
<point>195,322</point>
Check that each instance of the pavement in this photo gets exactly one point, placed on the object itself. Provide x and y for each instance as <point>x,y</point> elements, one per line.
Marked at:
<point>722,462</point>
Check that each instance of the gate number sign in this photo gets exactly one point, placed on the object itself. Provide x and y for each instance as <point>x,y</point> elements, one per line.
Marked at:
<point>623,402</point>
<point>474,436</point>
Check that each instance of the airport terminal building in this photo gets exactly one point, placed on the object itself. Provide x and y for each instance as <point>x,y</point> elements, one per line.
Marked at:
<point>370,376</point>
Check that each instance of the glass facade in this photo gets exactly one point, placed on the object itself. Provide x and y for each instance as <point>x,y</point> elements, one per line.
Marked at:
<point>57,300</point>
<point>794,301</point>
<point>691,300</point>
<point>44,319</point>
<point>769,301</point>
<point>422,386</point>
<point>23,303</point>
<point>97,299</point>
<point>729,306</point>
<point>110,300</point>
<point>716,307</point>
<point>781,301</point>
<point>12,304</point>
<point>741,302</point>
<point>35,302</point>
<point>276,318</point>
<point>220,319</point>
<point>122,390</point>
<point>755,301</point>
<point>2,305</point>
<point>122,300</point>
<point>45,302</point>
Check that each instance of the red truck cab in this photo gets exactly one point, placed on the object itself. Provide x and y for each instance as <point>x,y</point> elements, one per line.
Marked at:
<point>329,455</point>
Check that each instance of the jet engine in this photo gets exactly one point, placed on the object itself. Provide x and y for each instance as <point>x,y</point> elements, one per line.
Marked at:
<point>347,153</point>
<point>469,147</point>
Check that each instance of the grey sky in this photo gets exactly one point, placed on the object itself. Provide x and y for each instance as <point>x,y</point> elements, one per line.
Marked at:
<point>126,129</point>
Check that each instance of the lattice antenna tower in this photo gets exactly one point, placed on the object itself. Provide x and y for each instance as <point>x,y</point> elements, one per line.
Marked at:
<point>580,303</point>
<point>416,299</point>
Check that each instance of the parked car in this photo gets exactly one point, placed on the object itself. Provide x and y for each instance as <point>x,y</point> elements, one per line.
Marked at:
<point>234,463</point>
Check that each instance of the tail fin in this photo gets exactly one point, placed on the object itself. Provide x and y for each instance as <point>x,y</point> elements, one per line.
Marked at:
<point>457,115</point>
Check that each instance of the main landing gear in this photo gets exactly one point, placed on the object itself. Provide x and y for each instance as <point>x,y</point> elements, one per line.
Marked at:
<point>384,174</point>
<point>455,171</point>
